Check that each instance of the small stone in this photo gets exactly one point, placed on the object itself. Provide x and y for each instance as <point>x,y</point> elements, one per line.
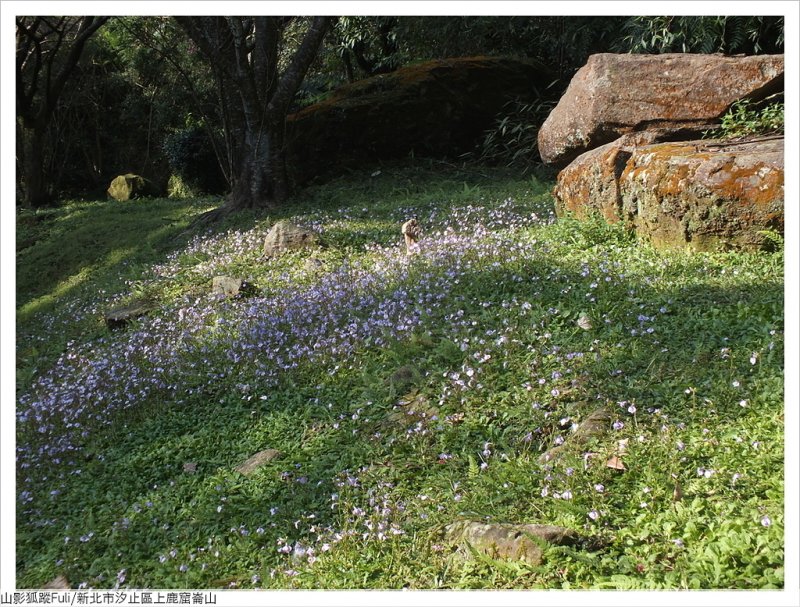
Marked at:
<point>225,285</point>
<point>256,461</point>
<point>119,317</point>
<point>312,264</point>
<point>190,467</point>
<point>615,463</point>
<point>286,236</point>
<point>57,583</point>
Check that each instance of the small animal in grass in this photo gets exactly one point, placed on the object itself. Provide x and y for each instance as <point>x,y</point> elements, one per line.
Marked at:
<point>411,232</point>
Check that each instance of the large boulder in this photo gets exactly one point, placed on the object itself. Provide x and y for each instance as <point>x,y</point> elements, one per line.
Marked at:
<point>437,109</point>
<point>700,195</point>
<point>617,94</point>
<point>705,195</point>
<point>590,184</point>
<point>130,186</point>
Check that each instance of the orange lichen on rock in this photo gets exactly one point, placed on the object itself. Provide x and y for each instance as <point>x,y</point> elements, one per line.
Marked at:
<point>590,184</point>
<point>705,195</point>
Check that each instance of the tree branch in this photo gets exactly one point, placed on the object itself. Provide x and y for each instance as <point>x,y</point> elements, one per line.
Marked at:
<point>294,74</point>
<point>88,26</point>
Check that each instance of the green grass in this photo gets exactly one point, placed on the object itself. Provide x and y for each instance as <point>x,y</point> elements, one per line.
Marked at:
<point>685,348</point>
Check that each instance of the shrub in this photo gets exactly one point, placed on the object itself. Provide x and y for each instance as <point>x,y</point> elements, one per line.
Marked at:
<point>178,188</point>
<point>743,119</point>
<point>512,141</point>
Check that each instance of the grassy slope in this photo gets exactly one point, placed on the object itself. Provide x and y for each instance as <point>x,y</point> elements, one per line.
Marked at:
<point>686,349</point>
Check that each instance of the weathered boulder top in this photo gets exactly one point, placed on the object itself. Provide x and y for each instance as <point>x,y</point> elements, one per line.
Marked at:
<point>285,236</point>
<point>615,94</point>
<point>403,81</point>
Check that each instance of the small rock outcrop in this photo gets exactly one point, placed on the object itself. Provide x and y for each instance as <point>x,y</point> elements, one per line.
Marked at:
<point>681,93</point>
<point>286,236</point>
<point>121,316</point>
<point>254,462</point>
<point>508,541</point>
<point>129,186</point>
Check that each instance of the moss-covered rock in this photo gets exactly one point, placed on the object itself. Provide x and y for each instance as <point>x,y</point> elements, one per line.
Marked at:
<point>703,195</point>
<point>130,186</point>
<point>436,109</point>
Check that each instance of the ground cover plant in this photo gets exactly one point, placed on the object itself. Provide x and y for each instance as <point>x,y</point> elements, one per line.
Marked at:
<point>403,393</point>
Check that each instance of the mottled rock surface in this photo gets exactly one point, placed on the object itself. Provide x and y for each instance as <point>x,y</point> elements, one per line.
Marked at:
<point>705,195</point>
<point>129,186</point>
<point>286,236</point>
<point>590,184</point>
<point>225,285</point>
<point>701,195</point>
<point>508,541</point>
<point>121,316</point>
<point>254,462</point>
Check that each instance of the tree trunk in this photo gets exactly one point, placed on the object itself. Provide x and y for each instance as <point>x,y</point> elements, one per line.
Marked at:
<point>32,178</point>
<point>261,181</point>
<point>254,97</point>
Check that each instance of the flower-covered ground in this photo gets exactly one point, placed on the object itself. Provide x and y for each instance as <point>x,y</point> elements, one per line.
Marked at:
<point>404,392</point>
